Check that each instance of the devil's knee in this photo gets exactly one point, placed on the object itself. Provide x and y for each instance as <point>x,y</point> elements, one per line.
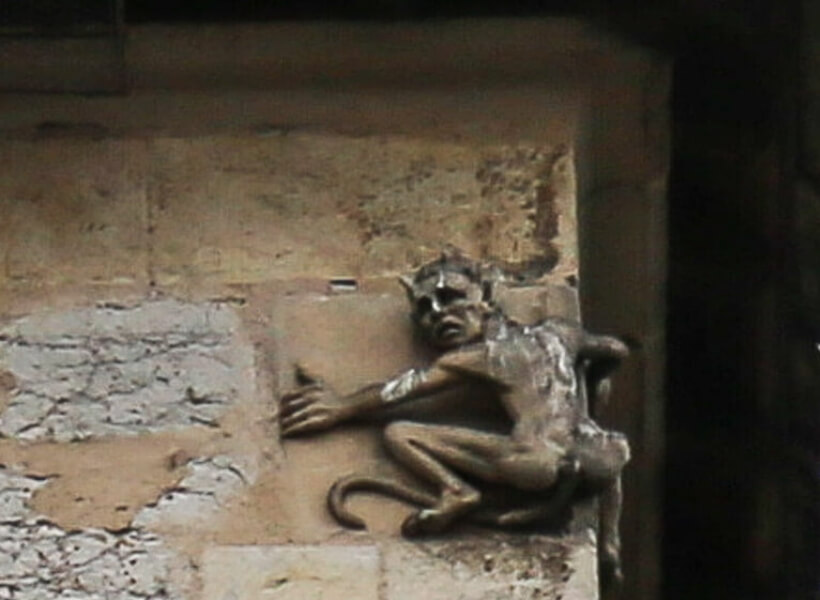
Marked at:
<point>618,447</point>
<point>529,471</point>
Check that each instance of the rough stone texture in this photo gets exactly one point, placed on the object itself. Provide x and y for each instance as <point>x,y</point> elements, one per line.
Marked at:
<point>206,192</point>
<point>210,484</point>
<point>114,370</point>
<point>301,204</point>
<point>474,567</point>
<point>40,561</point>
<point>493,567</point>
<point>329,572</point>
<point>73,211</point>
<point>304,204</point>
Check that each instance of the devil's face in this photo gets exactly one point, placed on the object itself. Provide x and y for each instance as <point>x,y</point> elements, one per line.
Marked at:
<point>448,308</point>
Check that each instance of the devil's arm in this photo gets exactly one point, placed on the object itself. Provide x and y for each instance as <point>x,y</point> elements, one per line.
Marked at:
<point>449,371</point>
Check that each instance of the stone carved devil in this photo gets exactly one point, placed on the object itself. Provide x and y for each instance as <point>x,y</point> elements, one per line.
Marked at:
<point>540,374</point>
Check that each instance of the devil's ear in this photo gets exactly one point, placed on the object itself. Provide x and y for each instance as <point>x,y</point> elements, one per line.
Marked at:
<point>407,283</point>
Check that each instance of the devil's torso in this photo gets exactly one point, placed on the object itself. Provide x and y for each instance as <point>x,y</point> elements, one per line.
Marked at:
<point>535,369</point>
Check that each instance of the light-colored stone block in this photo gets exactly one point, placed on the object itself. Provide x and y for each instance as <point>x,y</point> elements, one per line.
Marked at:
<point>114,370</point>
<point>291,573</point>
<point>492,566</point>
<point>41,560</point>
<point>73,211</point>
<point>301,204</point>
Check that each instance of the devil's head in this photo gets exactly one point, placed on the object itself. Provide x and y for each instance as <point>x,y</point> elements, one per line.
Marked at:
<point>451,297</point>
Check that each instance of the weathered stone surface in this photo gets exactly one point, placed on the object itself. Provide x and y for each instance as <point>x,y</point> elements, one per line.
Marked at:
<point>307,205</point>
<point>531,304</point>
<point>291,573</point>
<point>492,567</point>
<point>210,484</point>
<point>39,560</point>
<point>114,370</point>
<point>73,211</point>
<point>199,210</point>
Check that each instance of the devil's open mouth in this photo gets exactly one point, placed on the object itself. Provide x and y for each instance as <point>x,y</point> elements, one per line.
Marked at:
<point>448,330</point>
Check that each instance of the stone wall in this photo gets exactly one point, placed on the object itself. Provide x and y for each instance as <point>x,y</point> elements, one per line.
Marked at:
<point>141,454</point>
<point>167,257</point>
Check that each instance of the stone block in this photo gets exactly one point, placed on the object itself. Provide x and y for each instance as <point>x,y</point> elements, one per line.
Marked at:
<point>302,205</point>
<point>350,340</point>
<point>291,573</point>
<point>113,370</point>
<point>74,211</point>
<point>492,566</point>
<point>43,561</point>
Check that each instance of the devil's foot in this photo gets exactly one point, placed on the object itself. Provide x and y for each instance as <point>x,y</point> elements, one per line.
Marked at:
<point>451,506</point>
<point>610,563</point>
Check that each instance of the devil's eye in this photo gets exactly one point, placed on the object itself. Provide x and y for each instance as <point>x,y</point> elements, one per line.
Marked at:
<point>448,295</point>
<point>424,305</point>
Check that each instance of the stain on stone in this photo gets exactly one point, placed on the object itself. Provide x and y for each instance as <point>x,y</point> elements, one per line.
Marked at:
<point>100,371</point>
<point>8,381</point>
<point>487,565</point>
<point>546,217</point>
<point>522,556</point>
<point>523,206</point>
<point>483,233</point>
<point>177,459</point>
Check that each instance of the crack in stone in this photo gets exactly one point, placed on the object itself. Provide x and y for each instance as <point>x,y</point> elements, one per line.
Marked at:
<point>40,561</point>
<point>93,372</point>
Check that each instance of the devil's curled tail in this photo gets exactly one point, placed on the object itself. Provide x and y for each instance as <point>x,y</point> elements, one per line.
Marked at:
<point>366,483</point>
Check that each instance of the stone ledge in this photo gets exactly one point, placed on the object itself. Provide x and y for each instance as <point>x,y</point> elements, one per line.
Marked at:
<point>471,567</point>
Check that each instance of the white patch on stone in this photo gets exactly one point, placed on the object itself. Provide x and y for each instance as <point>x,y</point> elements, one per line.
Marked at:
<point>211,482</point>
<point>398,388</point>
<point>106,370</point>
<point>40,561</point>
<point>15,490</point>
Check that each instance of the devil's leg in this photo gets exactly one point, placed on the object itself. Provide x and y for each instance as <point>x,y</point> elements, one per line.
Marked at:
<point>436,453</point>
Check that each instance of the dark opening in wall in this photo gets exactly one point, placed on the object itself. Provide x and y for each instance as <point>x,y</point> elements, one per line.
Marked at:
<point>720,275</point>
